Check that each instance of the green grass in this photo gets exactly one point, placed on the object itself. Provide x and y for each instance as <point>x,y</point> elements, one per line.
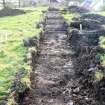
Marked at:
<point>102,41</point>
<point>69,16</point>
<point>98,75</point>
<point>102,13</point>
<point>12,51</point>
<point>102,45</point>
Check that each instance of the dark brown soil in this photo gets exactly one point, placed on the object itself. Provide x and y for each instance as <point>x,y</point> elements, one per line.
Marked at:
<point>53,72</point>
<point>85,43</point>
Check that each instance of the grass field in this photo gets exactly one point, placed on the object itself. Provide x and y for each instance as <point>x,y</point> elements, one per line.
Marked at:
<point>12,52</point>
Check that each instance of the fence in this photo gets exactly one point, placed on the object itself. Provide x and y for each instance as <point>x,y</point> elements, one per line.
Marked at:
<point>18,3</point>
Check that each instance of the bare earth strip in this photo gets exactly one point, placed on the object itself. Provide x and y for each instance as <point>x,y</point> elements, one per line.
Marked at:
<point>53,72</point>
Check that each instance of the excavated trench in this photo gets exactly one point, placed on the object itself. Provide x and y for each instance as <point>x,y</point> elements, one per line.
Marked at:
<point>64,70</point>
<point>53,71</point>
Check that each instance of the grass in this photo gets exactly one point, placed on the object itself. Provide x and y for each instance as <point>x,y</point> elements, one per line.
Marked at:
<point>69,16</point>
<point>102,42</point>
<point>102,45</point>
<point>98,75</point>
<point>12,52</point>
<point>101,13</point>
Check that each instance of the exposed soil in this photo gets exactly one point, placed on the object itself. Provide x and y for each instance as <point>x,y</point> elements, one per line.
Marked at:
<point>53,71</point>
<point>64,73</point>
<point>90,16</point>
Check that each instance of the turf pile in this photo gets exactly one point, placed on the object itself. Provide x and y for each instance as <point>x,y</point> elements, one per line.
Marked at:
<point>87,44</point>
<point>76,9</point>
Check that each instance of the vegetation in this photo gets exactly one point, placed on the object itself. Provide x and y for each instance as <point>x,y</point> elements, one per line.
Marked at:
<point>102,43</point>
<point>98,75</point>
<point>12,52</point>
<point>4,3</point>
<point>69,17</point>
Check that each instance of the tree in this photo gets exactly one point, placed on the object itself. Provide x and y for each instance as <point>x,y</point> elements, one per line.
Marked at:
<point>4,3</point>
